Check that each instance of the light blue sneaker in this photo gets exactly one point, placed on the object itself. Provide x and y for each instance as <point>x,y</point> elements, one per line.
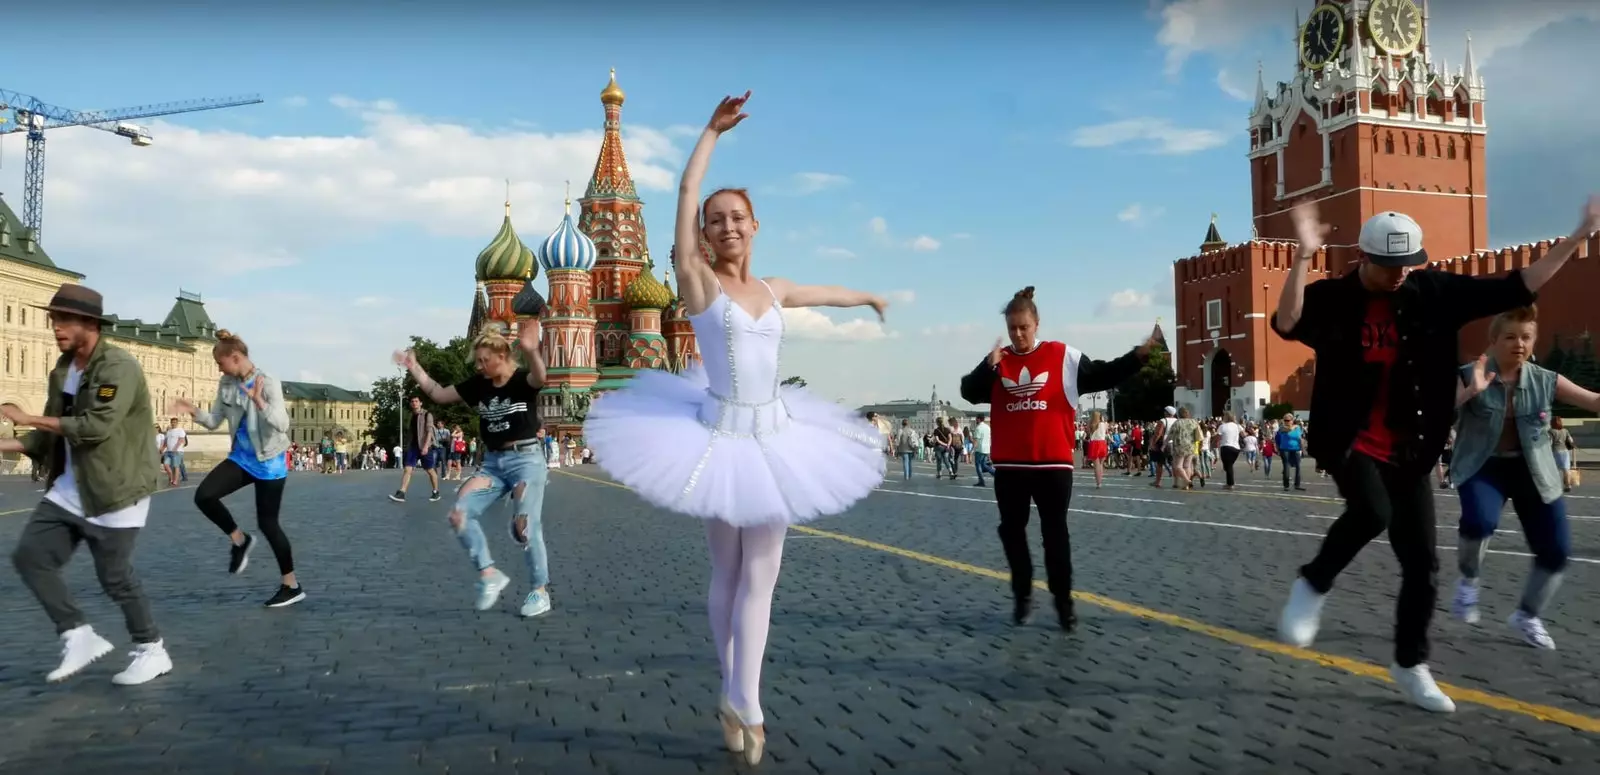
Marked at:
<point>537,604</point>
<point>489,589</point>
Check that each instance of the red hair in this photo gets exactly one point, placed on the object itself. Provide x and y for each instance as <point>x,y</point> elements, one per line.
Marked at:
<point>738,192</point>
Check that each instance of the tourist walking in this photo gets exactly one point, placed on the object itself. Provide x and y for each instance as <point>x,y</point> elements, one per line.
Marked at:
<point>906,444</point>
<point>761,455</point>
<point>419,451</point>
<point>506,399</point>
<point>251,402</point>
<point>1504,452</point>
<point>94,441</point>
<point>1229,436</point>
<point>1385,342</point>
<point>1033,388</point>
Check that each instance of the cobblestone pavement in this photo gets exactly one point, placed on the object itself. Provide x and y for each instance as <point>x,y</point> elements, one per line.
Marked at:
<point>891,649</point>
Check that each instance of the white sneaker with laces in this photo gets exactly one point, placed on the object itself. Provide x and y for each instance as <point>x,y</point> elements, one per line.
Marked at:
<point>1416,683</point>
<point>1465,606</point>
<point>536,604</point>
<point>489,589</point>
<point>1302,615</point>
<point>80,647</point>
<point>150,661</point>
<point>1532,630</point>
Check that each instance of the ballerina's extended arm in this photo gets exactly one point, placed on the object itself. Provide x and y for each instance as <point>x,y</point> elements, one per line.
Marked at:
<point>696,285</point>
<point>791,294</point>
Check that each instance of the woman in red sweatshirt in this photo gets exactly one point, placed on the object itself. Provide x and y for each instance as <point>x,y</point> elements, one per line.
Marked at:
<point>1034,388</point>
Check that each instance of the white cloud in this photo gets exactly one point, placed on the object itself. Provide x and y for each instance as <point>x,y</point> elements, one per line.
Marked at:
<point>239,217</point>
<point>1189,27</point>
<point>1233,87</point>
<point>1126,299</point>
<point>1137,214</point>
<point>804,183</point>
<point>924,244</point>
<point>808,324</point>
<point>1152,135</point>
<point>901,297</point>
<point>878,225</point>
<point>835,252</point>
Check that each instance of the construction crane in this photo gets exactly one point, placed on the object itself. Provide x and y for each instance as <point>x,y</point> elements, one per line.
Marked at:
<point>33,116</point>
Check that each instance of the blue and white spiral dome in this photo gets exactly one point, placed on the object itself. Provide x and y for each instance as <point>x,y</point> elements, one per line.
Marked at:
<point>567,247</point>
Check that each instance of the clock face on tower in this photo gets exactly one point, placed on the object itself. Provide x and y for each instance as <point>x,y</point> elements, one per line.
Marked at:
<point>1395,25</point>
<point>1322,37</point>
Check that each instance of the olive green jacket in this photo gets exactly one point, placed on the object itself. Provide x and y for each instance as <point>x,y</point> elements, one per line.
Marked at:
<point>110,427</point>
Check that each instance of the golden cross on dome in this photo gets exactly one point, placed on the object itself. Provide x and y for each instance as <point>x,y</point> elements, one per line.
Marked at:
<point>569,195</point>
<point>508,197</point>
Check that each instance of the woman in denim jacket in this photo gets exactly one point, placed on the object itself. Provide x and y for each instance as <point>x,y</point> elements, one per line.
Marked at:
<point>1505,455</point>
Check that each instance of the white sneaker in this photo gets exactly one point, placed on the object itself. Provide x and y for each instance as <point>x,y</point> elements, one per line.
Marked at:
<point>1302,615</point>
<point>80,647</point>
<point>1532,630</point>
<point>1416,683</point>
<point>489,589</point>
<point>1465,606</point>
<point>537,604</point>
<point>150,661</point>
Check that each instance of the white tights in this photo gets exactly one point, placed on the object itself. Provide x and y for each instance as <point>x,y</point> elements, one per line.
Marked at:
<point>744,572</point>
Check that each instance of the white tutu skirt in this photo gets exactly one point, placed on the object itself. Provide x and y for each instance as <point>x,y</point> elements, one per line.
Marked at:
<point>791,461</point>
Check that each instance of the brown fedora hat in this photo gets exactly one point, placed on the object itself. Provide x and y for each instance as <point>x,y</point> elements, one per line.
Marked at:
<point>71,299</point>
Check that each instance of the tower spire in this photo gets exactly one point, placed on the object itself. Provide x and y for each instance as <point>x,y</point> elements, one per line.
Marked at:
<point>569,196</point>
<point>508,197</point>
<point>1470,67</point>
<point>1261,85</point>
<point>611,178</point>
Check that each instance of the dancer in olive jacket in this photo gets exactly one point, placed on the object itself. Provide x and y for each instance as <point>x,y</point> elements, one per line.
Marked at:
<point>94,437</point>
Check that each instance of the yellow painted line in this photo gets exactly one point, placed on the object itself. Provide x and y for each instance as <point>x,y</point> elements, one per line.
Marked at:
<point>1544,713</point>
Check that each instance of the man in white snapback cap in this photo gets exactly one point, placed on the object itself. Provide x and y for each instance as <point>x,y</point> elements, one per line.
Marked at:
<point>1383,400</point>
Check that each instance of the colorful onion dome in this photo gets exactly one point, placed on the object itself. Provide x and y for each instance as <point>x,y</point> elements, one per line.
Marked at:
<point>612,94</point>
<point>506,258</point>
<point>568,247</point>
<point>529,303</point>
<point>646,292</point>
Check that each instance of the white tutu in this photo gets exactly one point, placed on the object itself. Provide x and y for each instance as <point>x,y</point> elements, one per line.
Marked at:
<point>797,458</point>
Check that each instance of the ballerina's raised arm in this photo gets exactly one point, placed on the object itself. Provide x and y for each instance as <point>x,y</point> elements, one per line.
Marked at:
<point>695,284</point>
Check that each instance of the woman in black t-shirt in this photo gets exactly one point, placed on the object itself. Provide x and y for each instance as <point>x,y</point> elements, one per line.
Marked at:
<point>506,400</point>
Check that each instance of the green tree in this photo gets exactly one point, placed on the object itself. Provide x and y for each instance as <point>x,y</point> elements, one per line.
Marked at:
<point>1579,365</point>
<point>1148,392</point>
<point>796,381</point>
<point>447,364</point>
<point>1276,411</point>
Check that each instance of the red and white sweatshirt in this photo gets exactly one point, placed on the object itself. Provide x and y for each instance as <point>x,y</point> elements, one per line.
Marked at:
<point>1033,398</point>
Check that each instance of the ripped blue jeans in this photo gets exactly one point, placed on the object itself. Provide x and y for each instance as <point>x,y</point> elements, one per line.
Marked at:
<point>504,471</point>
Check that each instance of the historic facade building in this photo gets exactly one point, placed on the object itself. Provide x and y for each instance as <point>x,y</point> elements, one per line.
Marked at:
<point>175,353</point>
<point>1373,120</point>
<point>317,409</point>
<point>605,314</point>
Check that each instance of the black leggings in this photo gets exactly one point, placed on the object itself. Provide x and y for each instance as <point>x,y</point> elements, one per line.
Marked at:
<point>229,478</point>
<point>1016,490</point>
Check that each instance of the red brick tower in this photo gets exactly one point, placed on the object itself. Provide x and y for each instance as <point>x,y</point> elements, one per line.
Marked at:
<point>1371,121</point>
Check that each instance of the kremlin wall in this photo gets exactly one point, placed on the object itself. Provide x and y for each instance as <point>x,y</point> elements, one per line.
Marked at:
<point>1367,130</point>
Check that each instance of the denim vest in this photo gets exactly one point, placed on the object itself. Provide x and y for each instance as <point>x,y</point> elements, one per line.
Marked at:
<point>1479,427</point>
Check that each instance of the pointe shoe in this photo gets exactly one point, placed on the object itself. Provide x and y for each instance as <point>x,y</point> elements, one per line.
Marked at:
<point>732,728</point>
<point>755,743</point>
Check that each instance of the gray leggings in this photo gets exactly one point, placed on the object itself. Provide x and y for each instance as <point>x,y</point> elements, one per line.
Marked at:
<point>48,541</point>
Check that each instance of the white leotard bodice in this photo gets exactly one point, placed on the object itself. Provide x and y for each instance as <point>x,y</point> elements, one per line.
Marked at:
<point>741,353</point>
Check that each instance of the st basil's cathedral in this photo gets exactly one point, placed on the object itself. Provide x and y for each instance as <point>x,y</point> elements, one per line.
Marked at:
<point>606,315</point>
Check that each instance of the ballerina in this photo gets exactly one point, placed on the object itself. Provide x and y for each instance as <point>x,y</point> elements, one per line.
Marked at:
<point>768,455</point>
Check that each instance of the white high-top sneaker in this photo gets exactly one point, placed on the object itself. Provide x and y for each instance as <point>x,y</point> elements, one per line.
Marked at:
<point>150,661</point>
<point>1416,683</point>
<point>1302,615</point>
<point>1532,630</point>
<point>80,647</point>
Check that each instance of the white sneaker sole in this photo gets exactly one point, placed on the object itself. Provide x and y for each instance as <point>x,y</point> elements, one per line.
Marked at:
<point>120,681</point>
<point>98,654</point>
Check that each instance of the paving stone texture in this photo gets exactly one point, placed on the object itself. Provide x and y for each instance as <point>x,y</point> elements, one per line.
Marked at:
<point>879,663</point>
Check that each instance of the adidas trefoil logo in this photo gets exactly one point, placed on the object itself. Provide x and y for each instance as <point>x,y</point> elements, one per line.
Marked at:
<point>1025,387</point>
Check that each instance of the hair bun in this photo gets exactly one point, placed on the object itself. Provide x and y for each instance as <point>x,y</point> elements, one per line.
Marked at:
<point>224,334</point>
<point>1025,293</point>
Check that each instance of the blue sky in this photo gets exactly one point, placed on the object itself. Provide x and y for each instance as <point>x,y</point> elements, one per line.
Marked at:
<point>945,157</point>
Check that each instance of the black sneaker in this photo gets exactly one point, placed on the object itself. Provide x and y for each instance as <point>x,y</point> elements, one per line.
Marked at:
<point>1068,615</point>
<point>286,596</point>
<point>399,496</point>
<point>434,496</point>
<point>239,555</point>
<point>1022,610</point>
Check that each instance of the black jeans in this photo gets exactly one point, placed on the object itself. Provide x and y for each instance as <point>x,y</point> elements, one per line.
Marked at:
<point>1379,497</point>
<point>1230,455</point>
<point>1016,490</point>
<point>228,478</point>
<point>48,542</point>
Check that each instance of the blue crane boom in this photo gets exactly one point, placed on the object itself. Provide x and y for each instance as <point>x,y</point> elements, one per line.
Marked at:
<point>33,116</point>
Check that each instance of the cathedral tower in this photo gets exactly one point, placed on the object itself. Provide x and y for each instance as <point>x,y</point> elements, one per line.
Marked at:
<point>504,268</point>
<point>611,215</point>
<point>569,323</point>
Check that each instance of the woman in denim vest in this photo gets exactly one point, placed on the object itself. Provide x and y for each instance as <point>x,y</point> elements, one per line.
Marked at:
<point>1505,455</point>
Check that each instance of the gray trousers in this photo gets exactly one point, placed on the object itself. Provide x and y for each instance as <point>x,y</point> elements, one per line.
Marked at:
<point>48,541</point>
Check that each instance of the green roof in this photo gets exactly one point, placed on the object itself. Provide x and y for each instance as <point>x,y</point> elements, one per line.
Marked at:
<point>15,243</point>
<point>321,391</point>
<point>186,323</point>
<point>188,317</point>
<point>136,330</point>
